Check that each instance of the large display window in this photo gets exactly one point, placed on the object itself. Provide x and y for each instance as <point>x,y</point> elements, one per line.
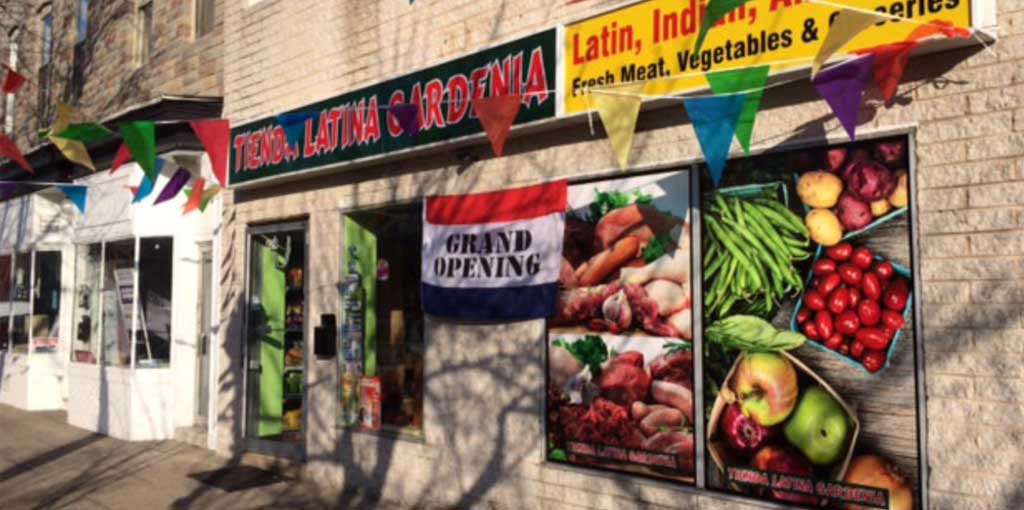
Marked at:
<point>381,343</point>
<point>21,289</point>
<point>85,345</point>
<point>30,301</point>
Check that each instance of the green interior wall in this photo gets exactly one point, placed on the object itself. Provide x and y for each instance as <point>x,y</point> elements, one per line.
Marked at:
<point>365,241</point>
<point>272,299</point>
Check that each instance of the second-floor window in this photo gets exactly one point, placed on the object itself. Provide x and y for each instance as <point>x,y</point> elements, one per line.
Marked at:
<point>12,62</point>
<point>83,20</point>
<point>144,32</point>
<point>47,39</point>
<point>204,17</point>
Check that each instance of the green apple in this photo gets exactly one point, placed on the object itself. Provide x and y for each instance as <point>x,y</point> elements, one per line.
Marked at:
<point>765,384</point>
<point>819,427</point>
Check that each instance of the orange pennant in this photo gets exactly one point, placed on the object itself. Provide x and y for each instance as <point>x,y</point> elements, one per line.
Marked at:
<point>939,27</point>
<point>496,114</point>
<point>195,200</point>
<point>889,64</point>
<point>10,150</point>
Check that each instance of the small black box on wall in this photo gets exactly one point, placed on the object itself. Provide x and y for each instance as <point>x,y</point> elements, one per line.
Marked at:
<point>325,337</point>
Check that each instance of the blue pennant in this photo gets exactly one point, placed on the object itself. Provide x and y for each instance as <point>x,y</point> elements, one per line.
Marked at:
<point>294,125</point>
<point>147,185</point>
<point>714,120</point>
<point>75,194</point>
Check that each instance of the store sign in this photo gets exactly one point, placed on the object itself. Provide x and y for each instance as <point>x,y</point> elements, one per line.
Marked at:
<point>494,256</point>
<point>653,41</point>
<point>358,124</point>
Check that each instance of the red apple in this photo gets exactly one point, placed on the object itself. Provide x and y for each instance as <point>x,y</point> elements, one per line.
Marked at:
<point>765,383</point>
<point>742,433</point>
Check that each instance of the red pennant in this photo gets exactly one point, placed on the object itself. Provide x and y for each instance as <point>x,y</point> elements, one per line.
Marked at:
<point>890,62</point>
<point>124,155</point>
<point>10,150</point>
<point>214,135</point>
<point>496,114</point>
<point>195,200</point>
<point>12,81</point>
<point>134,190</point>
<point>939,27</point>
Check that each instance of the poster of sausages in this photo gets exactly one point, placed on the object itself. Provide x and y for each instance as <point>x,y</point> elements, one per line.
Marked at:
<point>620,357</point>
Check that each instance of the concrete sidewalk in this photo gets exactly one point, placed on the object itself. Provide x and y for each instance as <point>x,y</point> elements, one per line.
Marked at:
<point>46,463</point>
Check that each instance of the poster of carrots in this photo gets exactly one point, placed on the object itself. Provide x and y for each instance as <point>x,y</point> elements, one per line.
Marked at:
<point>620,357</point>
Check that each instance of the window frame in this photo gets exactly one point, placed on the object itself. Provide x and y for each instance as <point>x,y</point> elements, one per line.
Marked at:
<point>204,17</point>
<point>83,20</point>
<point>144,37</point>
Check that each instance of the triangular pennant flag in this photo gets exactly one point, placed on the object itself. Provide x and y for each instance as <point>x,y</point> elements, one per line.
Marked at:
<point>714,120</point>
<point>294,125</point>
<point>145,188</point>
<point>195,196</point>
<point>214,135</point>
<point>10,150</point>
<point>847,25</point>
<point>74,150</point>
<point>63,118</point>
<point>13,80</point>
<point>7,189</point>
<point>76,194</point>
<point>87,132</point>
<point>842,87</point>
<point>618,110</point>
<point>749,80</point>
<point>939,26</point>
<point>890,62</point>
<point>496,114</point>
<point>715,11</point>
<point>408,116</point>
<point>140,137</point>
<point>173,186</point>
<point>208,196</point>
<point>123,156</point>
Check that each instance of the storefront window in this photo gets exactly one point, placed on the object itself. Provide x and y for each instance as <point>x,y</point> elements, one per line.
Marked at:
<point>85,344</point>
<point>382,328</point>
<point>118,291</point>
<point>153,333</point>
<point>5,300</point>
<point>46,302</point>
<point>20,304</point>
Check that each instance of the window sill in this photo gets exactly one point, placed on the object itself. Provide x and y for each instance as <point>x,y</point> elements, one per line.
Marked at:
<point>407,434</point>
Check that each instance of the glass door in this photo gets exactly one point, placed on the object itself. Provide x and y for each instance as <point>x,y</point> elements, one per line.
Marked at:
<point>203,341</point>
<point>275,337</point>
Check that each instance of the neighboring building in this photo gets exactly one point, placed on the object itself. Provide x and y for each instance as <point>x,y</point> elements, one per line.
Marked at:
<point>109,311</point>
<point>464,409</point>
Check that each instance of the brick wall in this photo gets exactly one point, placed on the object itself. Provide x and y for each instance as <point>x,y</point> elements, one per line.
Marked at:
<point>484,441</point>
<point>180,63</point>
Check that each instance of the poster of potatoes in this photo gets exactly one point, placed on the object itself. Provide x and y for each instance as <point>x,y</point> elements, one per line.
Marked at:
<point>620,357</point>
<point>809,346</point>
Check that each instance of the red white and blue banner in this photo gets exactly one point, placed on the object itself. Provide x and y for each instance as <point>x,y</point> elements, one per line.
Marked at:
<point>496,255</point>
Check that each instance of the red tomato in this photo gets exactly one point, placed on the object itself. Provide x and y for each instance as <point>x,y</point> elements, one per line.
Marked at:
<point>871,286</point>
<point>823,321</point>
<point>862,258</point>
<point>873,360</point>
<point>850,274</point>
<point>840,252</point>
<point>833,342</point>
<point>824,266</point>
<point>857,350</point>
<point>895,295</point>
<point>838,301</point>
<point>892,320</point>
<point>814,300</point>
<point>811,331</point>
<point>873,338</point>
<point>847,323</point>
<point>884,270</point>
<point>868,312</point>
<point>828,283</point>
<point>803,315</point>
<point>844,349</point>
<point>854,297</point>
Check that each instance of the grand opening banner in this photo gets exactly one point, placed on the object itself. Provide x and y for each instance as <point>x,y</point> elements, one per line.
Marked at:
<point>653,41</point>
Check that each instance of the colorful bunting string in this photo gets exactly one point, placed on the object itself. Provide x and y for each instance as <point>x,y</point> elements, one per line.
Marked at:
<point>407,116</point>
<point>842,87</point>
<point>750,80</point>
<point>145,188</point>
<point>715,11</point>
<point>195,196</point>
<point>73,150</point>
<point>496,114</point>
<point>714,120</point>
<point>618,111</point>
<point>294,125</point>
<point>889,64</point>
<point>87,132</point>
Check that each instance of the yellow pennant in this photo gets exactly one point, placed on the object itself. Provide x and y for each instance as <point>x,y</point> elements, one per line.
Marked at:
<point>64,114</point>
<point>846,26</point>
<point>619,108</point>
<point>73,150</point>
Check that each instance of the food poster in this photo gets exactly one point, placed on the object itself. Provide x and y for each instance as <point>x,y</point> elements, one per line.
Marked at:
<point>809,345</point>
<point>620,360</point>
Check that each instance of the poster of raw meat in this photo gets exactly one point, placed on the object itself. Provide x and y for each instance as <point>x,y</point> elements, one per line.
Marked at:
<point>810,380</point>
<point>620,360</point>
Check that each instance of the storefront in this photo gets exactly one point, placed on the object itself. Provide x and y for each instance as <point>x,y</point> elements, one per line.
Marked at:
<point>34,315</point>
<point>759,339</point>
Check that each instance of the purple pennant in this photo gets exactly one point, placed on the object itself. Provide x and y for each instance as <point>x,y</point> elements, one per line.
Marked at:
<point>7,189</point>
<point>408,116</point>
<point>174,185</point>
<point>842,87</point>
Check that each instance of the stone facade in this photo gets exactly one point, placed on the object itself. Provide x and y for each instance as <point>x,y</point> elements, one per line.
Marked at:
<point>181,62</point>
<point>484,435</point>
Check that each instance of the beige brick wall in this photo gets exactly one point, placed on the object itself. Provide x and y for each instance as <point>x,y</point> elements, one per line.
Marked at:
<point>484,437</point>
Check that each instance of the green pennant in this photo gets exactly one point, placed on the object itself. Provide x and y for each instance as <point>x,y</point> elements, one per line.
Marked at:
<point>750,80</point>
<point>87,132</point>
<point>140,137</point>
<point>715,11</point>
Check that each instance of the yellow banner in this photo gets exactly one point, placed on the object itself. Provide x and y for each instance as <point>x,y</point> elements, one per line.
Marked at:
<point>653,41</point>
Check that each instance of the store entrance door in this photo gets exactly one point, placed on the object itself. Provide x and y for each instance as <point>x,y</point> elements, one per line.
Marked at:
<point>203,337</point>
<point>275,340</point>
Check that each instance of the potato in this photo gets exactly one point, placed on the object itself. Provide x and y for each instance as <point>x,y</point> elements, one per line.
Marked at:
<point>899,196</point>
<point>824,227</point>
<point>880,207</point>
<point>819,189</point>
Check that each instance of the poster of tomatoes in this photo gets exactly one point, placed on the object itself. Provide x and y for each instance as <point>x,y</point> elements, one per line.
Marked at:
<point>809,344</point>
<point>620,357</point>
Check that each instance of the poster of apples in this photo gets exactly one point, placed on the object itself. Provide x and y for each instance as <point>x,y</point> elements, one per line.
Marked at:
<point>620,359</point>
<point>807,315</point>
